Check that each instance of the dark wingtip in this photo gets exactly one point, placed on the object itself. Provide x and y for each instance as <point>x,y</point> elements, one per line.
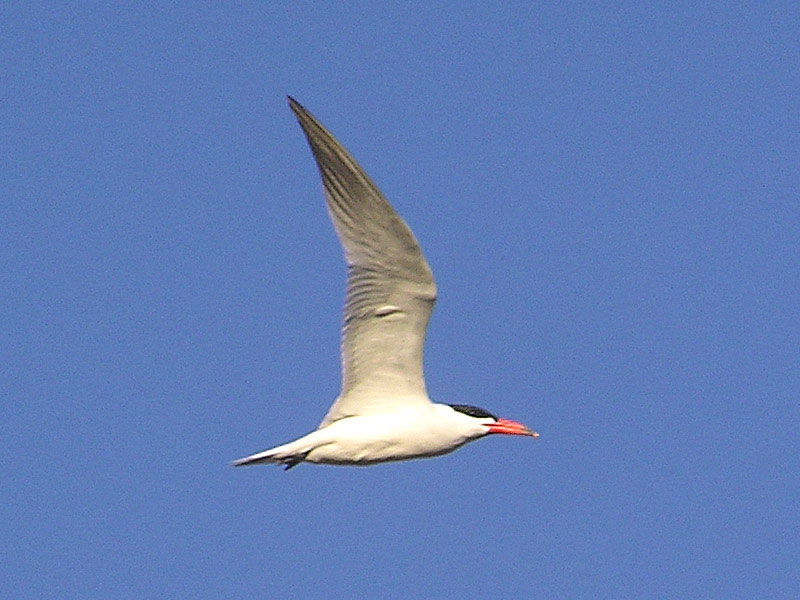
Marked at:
<point>316,134</point>
<point>297,108</point>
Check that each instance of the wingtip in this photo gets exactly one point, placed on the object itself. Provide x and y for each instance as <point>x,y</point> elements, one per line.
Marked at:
<point>296,107</point>
<point>316,134</point>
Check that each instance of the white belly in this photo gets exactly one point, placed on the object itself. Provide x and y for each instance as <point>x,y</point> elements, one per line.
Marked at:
<point>378,438</point>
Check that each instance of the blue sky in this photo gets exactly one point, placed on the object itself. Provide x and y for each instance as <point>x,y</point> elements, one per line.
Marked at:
<point>608,197</point>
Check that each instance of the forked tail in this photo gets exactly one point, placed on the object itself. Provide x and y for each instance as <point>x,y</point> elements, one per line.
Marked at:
<point>274,455</point>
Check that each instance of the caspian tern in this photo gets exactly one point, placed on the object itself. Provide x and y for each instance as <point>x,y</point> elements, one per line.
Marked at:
<point>383,412</point>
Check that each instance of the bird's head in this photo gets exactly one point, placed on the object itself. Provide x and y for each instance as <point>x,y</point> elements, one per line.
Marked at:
<point>492,424</point>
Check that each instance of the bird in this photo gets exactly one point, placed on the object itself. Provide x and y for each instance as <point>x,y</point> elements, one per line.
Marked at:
<point>383,412</point>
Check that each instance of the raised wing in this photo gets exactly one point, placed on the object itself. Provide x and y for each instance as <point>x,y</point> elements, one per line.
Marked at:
<point>390,287</point>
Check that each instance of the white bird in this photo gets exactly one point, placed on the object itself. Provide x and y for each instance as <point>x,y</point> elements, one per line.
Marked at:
<point>383,412</point>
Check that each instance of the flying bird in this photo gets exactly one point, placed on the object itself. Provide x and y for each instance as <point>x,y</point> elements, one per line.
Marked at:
<point>383,412</point>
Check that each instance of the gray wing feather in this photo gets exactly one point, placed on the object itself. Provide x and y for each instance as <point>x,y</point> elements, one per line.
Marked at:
<point>390,287</point>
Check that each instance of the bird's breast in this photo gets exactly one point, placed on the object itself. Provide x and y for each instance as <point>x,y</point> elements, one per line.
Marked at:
<point>365,440</point>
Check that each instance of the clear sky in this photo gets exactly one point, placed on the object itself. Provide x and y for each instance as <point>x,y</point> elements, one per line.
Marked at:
<point>609,200</point>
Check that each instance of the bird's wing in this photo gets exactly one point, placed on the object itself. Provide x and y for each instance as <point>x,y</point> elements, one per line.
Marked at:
<point>390,287</point>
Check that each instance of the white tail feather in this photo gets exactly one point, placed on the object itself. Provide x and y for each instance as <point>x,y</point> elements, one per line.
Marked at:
<point>267,456</point>
<point>288,454</point>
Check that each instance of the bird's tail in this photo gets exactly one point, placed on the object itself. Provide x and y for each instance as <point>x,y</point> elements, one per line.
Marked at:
<point>267,456</point>
<point>285,455</point>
